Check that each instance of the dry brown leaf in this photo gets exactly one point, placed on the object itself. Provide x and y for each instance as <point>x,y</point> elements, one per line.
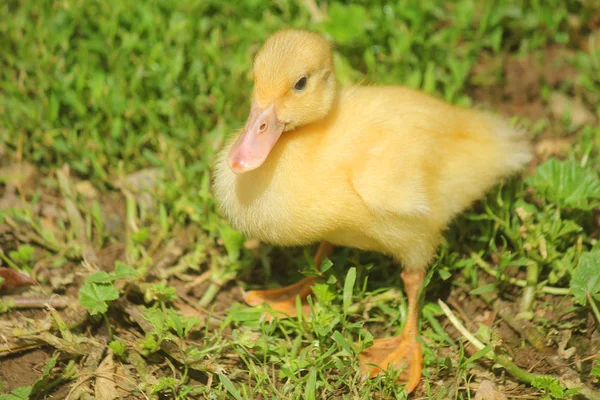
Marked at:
<point>562,345</point>
<point>14,279</point>
<point>487,391</point>
<point>106,388</point>
<point>125,381</point>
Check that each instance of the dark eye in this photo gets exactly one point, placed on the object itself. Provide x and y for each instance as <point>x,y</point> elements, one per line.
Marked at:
<point>300,84</point>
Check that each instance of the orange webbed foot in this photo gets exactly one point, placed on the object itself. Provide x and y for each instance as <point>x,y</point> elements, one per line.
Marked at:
<point>401,353</point>
<point>282,300</point>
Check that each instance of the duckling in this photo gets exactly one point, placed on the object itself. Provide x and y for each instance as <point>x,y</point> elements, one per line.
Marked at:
<point>377,168</point>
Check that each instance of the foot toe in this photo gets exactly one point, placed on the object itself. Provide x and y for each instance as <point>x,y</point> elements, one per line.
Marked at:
<point>399,353</point>
<point>282,300</point>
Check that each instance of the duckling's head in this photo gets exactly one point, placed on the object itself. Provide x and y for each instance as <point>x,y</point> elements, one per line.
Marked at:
<point>294,85</point>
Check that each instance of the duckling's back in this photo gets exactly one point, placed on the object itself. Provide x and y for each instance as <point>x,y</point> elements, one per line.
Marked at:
<point>441,157</point>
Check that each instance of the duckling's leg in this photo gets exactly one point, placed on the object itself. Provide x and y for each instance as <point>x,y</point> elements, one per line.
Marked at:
<point>283,300</point>
<point>402,351</point>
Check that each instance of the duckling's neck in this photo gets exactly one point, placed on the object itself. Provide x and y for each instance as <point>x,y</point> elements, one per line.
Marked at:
<point>335,104</point>
<point>297,145</point>
<point>328,118</point>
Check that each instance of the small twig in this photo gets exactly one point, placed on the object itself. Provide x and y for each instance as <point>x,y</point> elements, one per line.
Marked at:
<point>174,250</point>
<point>514,281</point>
<point>461,328</point>
<point>168,256</point>
<point>512,368</point>
<point>77,391</point>
<point>21,302</point>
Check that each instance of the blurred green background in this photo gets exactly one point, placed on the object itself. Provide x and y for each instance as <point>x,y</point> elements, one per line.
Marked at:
<point>114,86</point>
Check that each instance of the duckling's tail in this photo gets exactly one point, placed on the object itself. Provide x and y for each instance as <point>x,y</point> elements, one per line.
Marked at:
<point>488,150</point>
<point>513,146</point>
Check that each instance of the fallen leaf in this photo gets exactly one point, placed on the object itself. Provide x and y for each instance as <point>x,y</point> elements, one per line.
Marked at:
<point>125,380</point>
<point>487,391</point>
<point>562,345</point>
<point>106,388</point>
<point>13,278</point>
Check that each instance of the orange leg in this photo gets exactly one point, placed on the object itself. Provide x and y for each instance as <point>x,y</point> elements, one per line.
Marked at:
<point>283,300</point>
<point>402,351</point>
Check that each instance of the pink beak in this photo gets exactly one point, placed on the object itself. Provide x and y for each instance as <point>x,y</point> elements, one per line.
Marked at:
<point>254,144</point>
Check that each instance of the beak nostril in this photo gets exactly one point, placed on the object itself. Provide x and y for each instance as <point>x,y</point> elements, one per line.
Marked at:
<point>262,127</point>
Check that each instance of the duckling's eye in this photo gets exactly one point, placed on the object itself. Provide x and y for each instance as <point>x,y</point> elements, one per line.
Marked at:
<point>300,84</point>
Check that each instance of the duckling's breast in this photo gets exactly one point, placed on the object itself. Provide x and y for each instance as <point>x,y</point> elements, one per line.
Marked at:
<point>273,203</point>
<point>296,197</point>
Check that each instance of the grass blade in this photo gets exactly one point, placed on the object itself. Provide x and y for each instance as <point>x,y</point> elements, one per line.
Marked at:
<point>229,386</point>
<point>481,353</point>
<point>348,287</point>
<point>311,385</point>
<point>341,340</point>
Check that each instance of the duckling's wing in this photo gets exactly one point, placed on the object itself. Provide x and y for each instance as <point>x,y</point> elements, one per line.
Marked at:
<point>388,184</point>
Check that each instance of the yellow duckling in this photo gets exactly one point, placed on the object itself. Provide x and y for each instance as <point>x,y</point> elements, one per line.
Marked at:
<point>375,168</point>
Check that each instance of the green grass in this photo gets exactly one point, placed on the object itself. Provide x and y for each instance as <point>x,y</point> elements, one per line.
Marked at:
<point>137,97</point>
